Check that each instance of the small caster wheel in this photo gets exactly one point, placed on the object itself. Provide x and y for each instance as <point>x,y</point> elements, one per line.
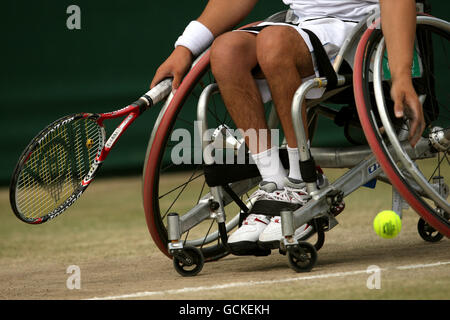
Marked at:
<point>302,257</point>
<point>188,261</point>
<point>427,232</point>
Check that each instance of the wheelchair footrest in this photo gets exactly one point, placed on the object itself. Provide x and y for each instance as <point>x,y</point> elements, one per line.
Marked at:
<point>248,249</point>
<point>273,208</point>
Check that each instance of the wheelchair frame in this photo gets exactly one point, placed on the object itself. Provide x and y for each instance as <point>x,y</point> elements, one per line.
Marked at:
<point>362,163</point>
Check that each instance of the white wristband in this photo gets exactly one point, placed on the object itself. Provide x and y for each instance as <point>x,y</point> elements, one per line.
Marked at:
<point>196,37</point>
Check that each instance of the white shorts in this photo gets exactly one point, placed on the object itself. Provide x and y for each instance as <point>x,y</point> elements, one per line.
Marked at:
<point>331,32</point>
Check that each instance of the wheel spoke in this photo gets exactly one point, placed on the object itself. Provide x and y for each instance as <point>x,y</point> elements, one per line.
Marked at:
<point>179,194</point>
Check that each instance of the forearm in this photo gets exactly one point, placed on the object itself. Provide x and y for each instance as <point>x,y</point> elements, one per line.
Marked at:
<point>398,20</point>
<point>220,16</point>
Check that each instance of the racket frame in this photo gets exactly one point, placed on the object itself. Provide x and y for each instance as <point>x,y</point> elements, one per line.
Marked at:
<point>130,112</point>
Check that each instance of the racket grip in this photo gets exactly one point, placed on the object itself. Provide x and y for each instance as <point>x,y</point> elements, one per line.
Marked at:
<point>158,92</point>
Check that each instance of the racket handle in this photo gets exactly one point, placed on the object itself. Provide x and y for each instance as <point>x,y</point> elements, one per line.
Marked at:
<point>157,93</point>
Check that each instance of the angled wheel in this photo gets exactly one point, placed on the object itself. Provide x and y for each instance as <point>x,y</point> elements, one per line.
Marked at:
<point>420,175</point>
<point>427,232</point>
<point>174,178</point>
<point>302,257</point>
<point>170,186</point>
<point>189,261</point>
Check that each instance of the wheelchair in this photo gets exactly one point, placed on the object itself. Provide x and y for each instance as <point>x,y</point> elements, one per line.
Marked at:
<point>191,207</point>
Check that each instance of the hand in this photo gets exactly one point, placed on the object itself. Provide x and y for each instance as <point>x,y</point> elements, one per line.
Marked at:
<point>407,104</point>
<point>175,66</point>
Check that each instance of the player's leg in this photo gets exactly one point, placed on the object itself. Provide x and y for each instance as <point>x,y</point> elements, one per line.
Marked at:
<point>233,58</point>
<point>285,59</point>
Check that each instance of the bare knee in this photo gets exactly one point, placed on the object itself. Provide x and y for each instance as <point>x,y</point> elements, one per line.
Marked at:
<point>279,48</point>
<point>233,53</point>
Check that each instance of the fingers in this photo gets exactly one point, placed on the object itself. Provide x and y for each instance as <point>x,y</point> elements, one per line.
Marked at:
<point>398,106</point>
<point>159,76</point>
<point>407,105</point>
<point>176,82</point>
<point>175,66</point>
<point>417,121</point>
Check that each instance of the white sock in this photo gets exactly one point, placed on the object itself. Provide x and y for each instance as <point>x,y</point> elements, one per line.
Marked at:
<point>270,166</point>
<point>294,163</point>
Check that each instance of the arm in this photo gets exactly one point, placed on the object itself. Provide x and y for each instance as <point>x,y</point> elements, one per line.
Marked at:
<point>399,27</point>
<point>218,16</point>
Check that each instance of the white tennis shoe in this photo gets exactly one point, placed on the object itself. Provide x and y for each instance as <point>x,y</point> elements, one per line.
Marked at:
<point>271,235</point>
<point>248,233</point>
<point>261,231</point>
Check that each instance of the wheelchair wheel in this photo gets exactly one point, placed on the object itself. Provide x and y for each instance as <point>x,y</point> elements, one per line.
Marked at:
<point>189,262</point>
<point>182,188</point>
<point>419,174</point>
<point>302,257</point>
<point>427,232</point>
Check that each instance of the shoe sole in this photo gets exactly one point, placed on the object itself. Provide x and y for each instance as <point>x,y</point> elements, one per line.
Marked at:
<point>248,248</point>
<point>269,244</point>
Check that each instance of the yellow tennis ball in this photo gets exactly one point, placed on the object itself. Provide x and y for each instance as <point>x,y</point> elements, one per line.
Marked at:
<point>387,224</point>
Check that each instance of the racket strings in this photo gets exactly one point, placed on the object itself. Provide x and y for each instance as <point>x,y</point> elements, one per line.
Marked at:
<point>56,166</point>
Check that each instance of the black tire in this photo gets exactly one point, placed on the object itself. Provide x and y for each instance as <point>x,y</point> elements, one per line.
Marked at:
<point>427,232</point>
<point>189,262</point>
<point>302,257</point>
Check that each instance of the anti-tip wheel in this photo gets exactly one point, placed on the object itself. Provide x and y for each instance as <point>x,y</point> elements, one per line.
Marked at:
<point>302,257</point>
<point>189,261</point>
<point>427,232</point>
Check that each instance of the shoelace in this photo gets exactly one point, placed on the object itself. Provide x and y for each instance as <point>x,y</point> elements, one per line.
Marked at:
<point>298,194</point>
<point>258,194</point>
<point>286,195</point>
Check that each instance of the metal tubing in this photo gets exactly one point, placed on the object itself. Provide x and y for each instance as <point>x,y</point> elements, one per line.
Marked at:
<point>287,223</point>
<point>297,121</point>
<point>202,108</point>
<point>173,227</point>
<point>297,115</point>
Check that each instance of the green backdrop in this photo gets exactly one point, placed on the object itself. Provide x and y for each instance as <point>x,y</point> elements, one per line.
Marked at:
<point>48,71</point>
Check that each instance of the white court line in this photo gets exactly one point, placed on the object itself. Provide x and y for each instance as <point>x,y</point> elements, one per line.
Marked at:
<point>262,282</point>
<point>417,266</point>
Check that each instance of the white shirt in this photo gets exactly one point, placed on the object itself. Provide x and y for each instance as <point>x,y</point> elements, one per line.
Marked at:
<point>353,10</point>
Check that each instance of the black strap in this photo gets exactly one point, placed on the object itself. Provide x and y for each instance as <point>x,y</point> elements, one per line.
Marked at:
<point>330,17</point>
<point>323,62</point>
<point>272,208</point>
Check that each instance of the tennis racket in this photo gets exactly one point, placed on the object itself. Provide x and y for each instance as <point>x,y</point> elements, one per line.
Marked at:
<point>58,165</point>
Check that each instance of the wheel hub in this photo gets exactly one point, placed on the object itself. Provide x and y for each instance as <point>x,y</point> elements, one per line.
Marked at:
<point>440,138</point>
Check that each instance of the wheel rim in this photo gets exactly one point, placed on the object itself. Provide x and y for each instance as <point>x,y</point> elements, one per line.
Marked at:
<point>405,185</point>
<point>175,191</point>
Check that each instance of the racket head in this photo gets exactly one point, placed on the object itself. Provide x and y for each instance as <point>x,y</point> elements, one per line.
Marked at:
<point>56,167</point>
